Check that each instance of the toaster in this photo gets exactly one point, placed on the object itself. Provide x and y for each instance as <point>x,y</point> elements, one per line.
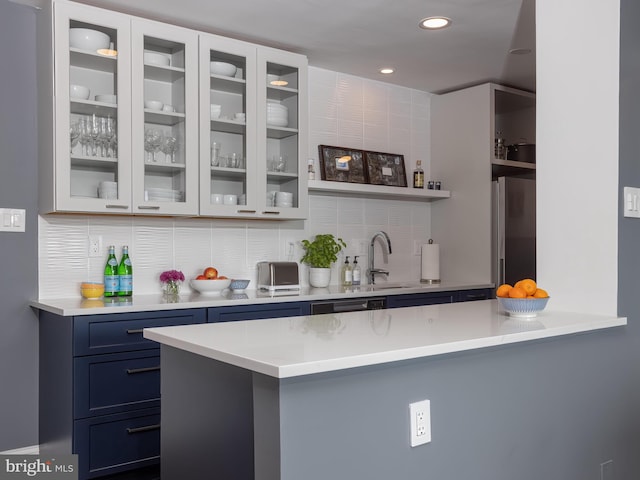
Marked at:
<point>278,276</point>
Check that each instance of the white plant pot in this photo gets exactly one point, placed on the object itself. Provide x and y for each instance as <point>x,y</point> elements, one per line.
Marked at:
<point>319,277</point>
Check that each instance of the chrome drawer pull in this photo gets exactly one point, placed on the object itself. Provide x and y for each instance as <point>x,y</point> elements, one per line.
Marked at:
<point>116,206</point>
<point>148,207</point>
<point>134,330</point>
<point>270,212</point>
<point>245,211</point>
<point>142,370</point>
<point>143,429</point>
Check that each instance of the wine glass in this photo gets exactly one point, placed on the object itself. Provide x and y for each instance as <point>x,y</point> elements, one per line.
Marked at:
<point>94,133</point>
<point>85,137</point>
<point>151,143</point>
<point>169,146</point>
<point>107,134</point>
<point>74,134</point>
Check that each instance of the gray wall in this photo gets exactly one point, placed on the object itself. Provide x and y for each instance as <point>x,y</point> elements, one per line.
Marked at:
<point>18,251</point>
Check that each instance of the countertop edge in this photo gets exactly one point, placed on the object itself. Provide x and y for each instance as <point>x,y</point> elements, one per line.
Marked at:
<point>68,307</point>
<point>370,359</point>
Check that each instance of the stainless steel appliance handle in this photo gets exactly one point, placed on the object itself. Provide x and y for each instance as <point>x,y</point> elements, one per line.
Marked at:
<point>346,305</point>
<point>142,370</point>
<point>143,429</point>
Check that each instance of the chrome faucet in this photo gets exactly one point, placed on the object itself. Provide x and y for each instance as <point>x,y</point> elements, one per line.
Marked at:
<point>372,272</point>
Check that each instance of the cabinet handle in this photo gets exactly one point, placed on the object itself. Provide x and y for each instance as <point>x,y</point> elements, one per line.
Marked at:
<point>245,211</point>
<point>142,370</point>
<point>134,330</point>
<point>270,212</point>
<point>148,207</point>
<point>110,205</point>
<point>143,429</point>
<point>477,296</point>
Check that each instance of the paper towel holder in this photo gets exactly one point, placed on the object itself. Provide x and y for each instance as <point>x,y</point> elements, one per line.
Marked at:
<point>430,281</point>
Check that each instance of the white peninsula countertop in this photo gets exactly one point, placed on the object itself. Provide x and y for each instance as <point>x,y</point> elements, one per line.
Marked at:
<point>296,346</point>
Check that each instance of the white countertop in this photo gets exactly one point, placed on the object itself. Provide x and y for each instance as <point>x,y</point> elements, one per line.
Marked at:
<point>295,346</point>
<point>147,303</point>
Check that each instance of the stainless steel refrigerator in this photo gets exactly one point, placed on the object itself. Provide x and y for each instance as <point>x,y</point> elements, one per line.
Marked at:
<point>514,227</point>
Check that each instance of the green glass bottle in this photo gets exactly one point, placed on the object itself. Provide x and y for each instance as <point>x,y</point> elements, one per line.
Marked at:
<point>125,274</point>
<point>111,282</point>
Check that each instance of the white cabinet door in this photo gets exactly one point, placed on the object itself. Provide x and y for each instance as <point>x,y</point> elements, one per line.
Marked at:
<point>228,154</point>
<point>91,127</point>
<point>250,166</point>
<point>164,119</point>
<point>282,133</point>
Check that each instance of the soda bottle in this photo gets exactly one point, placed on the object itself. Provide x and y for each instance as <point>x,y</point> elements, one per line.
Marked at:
<point>111,283</point>
<point>125,274</point>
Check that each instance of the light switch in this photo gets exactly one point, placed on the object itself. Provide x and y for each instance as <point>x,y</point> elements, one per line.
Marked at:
<point>631,202</point>
<point>12,219</point>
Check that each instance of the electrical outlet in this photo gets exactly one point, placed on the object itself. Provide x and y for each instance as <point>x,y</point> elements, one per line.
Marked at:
<point>420,422</point>
<point>95,245</point>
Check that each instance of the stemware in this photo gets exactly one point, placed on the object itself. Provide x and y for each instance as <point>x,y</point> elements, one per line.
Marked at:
<point>85,137</point>
<point>74,134</point>
<point>106,133</point>
<point>94,133</point>
<point>152,140</point>
<point>169,146</point>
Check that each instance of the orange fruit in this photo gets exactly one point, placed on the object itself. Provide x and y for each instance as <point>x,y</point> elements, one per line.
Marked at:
<point>517,292</point>
<point>503,290</point>
<point>527,285</point>
<point>540,293</point>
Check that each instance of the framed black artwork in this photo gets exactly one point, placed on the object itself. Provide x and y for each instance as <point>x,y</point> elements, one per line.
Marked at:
<point>385,169</point>
<point>338,164</point>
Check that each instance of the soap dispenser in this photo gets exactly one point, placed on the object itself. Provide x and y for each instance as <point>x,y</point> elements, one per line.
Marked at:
<point>346,274</point>
<point>355,278</point>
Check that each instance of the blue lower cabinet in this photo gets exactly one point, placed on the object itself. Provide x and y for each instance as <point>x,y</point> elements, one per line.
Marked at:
<point>258,312</point>
<point>111,444</point>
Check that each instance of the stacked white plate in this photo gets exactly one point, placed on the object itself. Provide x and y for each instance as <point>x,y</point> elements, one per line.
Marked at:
<point>284,199</point>
<point>164,195</point>
<point>277,114</point>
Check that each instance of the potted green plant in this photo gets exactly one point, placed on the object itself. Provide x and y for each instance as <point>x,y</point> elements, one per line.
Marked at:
<point>320,254</point>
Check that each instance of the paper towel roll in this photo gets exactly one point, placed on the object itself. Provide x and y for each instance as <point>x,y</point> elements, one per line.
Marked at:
<point>430,272</point>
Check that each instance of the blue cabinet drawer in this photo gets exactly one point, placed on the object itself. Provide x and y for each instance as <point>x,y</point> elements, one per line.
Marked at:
<point>94,334</point>
<point>116,443</point>
<point>116,382</point>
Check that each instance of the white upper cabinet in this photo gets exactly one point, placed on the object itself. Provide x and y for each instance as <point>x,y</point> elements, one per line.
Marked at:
<point>253,116</point>
<point>141,117</point>
<point>85,111</point>
<point>164,118</point>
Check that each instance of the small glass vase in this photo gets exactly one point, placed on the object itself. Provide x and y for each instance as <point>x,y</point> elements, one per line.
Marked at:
<point>171,288</point>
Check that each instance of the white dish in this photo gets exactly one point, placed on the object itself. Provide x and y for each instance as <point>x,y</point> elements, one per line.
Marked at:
<point>87,39</point>
<point>222,68</point>
<point>106,98</point>
<point>210,287</point>
<point>153,104</point>
<point>79,91</point>
<point>277,122</point>
<point>152,58</point>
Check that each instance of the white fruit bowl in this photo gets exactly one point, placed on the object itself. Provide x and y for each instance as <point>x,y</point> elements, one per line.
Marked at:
<point>523,307</point>
<point>222,68</point>
<point>210,287</point>
<point>87,39</point>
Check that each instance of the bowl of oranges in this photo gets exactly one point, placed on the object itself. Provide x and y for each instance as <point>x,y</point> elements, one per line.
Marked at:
<point>523,299</point>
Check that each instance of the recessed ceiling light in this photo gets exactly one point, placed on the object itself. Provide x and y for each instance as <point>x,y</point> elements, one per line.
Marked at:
<point>386,70</point>
<point>435,23</point>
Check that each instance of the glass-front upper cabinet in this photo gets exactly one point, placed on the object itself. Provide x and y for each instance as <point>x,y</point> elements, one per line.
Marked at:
<point>282,133</point>
<point>228,154</point>
<point>91,128</point>
<point>164,119</point>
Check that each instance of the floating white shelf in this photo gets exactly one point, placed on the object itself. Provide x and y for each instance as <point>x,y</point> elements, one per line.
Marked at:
<point>376,191</point>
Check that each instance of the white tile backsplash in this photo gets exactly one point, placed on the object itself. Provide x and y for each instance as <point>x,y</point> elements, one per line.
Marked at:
<point>345,111</point>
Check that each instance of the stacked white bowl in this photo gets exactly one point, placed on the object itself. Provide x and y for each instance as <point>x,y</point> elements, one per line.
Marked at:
<point>108,190</point>
<point>284,199</point>
<point>87,39</point>
<point>215,111</point>
<point>277,114</point>
<point>222,68</point>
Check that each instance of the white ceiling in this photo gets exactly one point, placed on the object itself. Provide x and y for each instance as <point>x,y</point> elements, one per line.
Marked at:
<point>360,36</point>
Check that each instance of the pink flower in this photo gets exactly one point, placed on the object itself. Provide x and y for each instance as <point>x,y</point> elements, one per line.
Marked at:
<point>172,276</point>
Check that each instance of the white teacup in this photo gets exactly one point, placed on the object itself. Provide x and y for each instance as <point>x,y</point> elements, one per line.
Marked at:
<point>168,108</point>
<point>240,117</point>
<point>217,198</point>
<point>230,199</point>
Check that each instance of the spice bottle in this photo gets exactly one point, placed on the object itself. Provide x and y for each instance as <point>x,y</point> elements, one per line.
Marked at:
<point>418,175</point>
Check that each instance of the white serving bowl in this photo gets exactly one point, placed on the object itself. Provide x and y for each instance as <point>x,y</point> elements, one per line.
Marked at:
<point>523,307</point>
<point>153,104</point>
<point>222,68</point>
<point>277,122</point>
<point>152,58</point>
<point>107,98</point>
<point>79,91</point>
<point>87,39</point>
<point>210,287</point>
